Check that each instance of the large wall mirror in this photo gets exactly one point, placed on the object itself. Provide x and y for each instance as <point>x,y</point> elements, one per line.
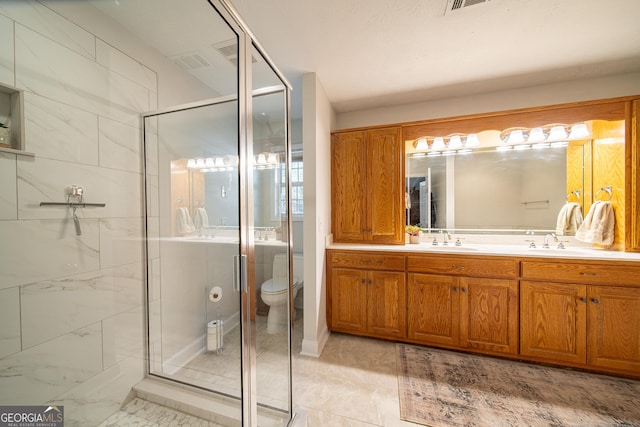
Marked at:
<point>490,190</point>
<point>515,172</point>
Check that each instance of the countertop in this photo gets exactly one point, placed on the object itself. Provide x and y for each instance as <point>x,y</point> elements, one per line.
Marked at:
<point>495,250</point>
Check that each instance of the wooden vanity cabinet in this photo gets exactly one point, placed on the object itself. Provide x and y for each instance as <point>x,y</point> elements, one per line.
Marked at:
<point>462,306</point>
<point>367,186</point>
<point>366,294</point>
<point>581,314</point>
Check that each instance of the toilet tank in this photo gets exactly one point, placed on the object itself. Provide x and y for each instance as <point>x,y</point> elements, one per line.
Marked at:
<point>298,268</point>
<point>280,267</point>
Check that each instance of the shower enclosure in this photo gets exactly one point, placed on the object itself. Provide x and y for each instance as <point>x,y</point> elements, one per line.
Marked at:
<point>127,260</point>
<point>217,214</point>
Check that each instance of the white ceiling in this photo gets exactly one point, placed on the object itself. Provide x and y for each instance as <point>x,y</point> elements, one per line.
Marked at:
<point>372,53</point>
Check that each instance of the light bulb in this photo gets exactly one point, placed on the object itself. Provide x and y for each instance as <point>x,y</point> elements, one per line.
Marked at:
<point>191,163</point>
<point>579,131</point>
<point>438,143</point>
<point>421,144</point>
<point>516,136</point>
<point>455,142</point>
<point>472,140</point>
<point>200,163</point>
<point>208,162</point>
<point>537,135</point>
<point>557,132</point>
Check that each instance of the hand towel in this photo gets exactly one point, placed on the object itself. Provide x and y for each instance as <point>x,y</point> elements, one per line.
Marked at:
<point>201,219</point>
<point>569,219</point>
<point>184,224</point>
<point>598,226</point>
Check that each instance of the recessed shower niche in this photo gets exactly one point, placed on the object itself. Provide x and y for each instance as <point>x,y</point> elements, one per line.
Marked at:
<point>11,118</point>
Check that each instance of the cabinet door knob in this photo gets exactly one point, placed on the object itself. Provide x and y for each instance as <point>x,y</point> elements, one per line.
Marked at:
<point>370,282</point>
<point>595,300</point>
<point>464,290</point>
<point>583,300</point>
<point>455,289</point>
<point>362,281</point>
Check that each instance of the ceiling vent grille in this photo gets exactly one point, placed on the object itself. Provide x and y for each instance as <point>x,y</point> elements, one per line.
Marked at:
<point>191,61</point>
<point>229,49</point>
<point>455,5</point>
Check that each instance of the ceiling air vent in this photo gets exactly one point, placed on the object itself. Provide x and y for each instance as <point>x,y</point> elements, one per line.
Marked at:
<point>190,61</point>
<point>229,49</point>
<point>455,5</point>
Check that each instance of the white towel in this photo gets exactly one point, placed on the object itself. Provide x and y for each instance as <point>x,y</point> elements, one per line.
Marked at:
<point>184,224</point>
<point>569,219</point>
<point>201,219</point>
<point>598,226</point>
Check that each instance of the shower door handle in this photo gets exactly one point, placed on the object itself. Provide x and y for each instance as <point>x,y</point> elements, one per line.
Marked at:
<point>240,273</point>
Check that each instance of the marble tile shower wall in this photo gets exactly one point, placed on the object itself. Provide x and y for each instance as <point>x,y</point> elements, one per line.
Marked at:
<point>71,307</point>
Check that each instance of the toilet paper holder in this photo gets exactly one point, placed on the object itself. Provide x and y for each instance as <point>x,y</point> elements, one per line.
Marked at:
<point>215,294</point>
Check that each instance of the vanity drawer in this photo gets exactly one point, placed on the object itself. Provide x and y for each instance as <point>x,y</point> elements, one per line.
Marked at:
<point>573,272</point>
<point>381,261</point>
<point>463,266</point>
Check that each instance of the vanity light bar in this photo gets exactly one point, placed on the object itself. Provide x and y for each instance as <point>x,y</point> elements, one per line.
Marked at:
<point>513,136</point>
<point>549,133</point>
<point>517,138</point>
<point>453,142</point>
<point>264,160</point>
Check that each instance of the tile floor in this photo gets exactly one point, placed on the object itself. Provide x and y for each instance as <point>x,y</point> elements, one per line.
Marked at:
<point>222,372</point>
<point>352,384</point>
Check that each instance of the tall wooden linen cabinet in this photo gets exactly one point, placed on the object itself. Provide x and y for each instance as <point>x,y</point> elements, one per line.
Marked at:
<point>367,181</point>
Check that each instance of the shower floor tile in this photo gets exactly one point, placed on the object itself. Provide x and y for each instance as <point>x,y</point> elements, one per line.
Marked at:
<point>222,372</point>
<point>142,413</point>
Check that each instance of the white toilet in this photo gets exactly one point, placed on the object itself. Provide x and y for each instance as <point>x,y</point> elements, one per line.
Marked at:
<point>274,291</point>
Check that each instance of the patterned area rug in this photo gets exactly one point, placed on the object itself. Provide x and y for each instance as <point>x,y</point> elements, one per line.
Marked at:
<point>440,388</point>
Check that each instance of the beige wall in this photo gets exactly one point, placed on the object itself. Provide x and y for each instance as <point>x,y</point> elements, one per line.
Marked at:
<point>318,118</point>
<point>557,93</point>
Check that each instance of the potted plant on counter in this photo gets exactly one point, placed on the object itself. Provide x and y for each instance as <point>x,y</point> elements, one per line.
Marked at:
<point>414,233</point>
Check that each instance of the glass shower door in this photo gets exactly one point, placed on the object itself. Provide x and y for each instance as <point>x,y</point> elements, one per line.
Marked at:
<point>193,293</point>
<point>272,250</point>
<point>202,332</point>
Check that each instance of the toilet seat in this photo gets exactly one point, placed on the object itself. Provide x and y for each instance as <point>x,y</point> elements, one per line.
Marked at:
<point>277,285</point>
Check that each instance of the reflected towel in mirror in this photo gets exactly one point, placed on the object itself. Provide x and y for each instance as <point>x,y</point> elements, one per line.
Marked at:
<point>184,224</point>
<point>201,219</point>
<point>569,219</point>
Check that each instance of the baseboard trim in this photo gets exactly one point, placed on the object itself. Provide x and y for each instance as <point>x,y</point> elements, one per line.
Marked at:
<point>314,348</point>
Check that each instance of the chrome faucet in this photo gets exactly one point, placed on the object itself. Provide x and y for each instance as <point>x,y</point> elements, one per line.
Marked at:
<point>446,238</point>
<point>546,240</point>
